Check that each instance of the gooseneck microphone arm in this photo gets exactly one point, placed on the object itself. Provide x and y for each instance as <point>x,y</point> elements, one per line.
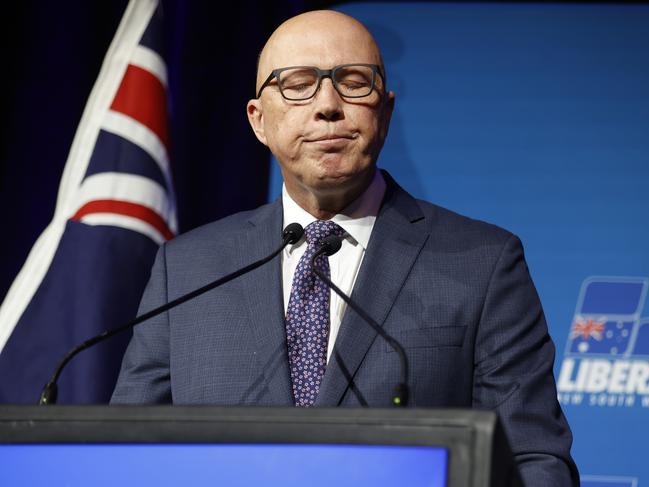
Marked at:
<point>331,245</point>
<point>291,234</point>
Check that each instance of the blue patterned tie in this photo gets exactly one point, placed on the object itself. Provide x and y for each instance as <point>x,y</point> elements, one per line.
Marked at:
<point>307,317</point>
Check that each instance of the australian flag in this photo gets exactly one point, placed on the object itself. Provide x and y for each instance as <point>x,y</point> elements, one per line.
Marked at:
<point>115,206</point>
<point>607,320</point>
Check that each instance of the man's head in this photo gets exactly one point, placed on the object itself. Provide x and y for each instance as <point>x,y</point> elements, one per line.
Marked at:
<point>327,146</point>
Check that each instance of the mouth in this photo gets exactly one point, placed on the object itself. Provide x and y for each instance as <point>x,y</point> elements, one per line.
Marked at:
<point>330,140</point>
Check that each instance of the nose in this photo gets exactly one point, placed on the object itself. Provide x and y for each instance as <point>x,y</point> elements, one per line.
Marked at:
<point>328,103</point>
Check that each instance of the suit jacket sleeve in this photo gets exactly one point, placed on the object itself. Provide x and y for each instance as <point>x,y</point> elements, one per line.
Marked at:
<point>144,377</point>
<point>513,374</point>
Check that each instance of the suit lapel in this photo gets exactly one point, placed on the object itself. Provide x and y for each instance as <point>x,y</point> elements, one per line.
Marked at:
<point>265,305</point>
<point>393,248</point>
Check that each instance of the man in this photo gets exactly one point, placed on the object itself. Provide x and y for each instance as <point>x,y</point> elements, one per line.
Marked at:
<point>456,293</point>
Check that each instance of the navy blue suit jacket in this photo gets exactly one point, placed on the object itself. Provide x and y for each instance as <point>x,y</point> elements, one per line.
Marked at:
<point>455,292</point>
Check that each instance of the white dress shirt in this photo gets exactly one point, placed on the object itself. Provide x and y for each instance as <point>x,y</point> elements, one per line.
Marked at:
<point>357,220</point>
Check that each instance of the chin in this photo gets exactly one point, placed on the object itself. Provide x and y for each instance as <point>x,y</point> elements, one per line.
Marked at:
<point>335,180</point>
<point>331,174</point>
<point>340,167</point>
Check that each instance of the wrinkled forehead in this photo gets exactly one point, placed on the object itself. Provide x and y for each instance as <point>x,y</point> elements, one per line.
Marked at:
<point>318,45</point>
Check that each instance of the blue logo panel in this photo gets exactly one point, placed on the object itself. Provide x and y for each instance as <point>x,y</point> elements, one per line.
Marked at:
<point>617,297</point>
<point>606,320</point>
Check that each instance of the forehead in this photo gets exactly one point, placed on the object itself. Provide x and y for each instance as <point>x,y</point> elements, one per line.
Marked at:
<point>317,45</point>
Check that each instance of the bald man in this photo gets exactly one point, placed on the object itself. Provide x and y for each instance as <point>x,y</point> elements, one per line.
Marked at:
<point>455,292</point>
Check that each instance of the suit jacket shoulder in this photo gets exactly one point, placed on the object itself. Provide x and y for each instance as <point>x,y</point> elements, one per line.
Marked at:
<point>224,229</point>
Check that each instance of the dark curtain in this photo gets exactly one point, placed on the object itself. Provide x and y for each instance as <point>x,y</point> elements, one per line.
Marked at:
<point>52,53</point>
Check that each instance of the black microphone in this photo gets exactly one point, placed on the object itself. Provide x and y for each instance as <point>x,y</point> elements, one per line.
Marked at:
<point>291,234</point>
<point>331,245</point>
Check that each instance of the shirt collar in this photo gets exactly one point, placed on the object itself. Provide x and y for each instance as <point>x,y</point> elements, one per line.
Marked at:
<point>357,219</point>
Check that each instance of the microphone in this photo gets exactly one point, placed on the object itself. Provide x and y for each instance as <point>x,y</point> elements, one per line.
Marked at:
<point>331,245</point>
<point>291,234</point>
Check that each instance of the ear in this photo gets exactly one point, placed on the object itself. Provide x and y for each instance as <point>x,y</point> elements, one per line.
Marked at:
<point>256,118</point>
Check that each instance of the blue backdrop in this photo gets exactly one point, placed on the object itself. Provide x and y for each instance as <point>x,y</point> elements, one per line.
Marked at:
<point>536,118</point>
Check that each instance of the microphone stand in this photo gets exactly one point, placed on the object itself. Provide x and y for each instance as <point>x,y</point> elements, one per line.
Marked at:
<point>291,234</point>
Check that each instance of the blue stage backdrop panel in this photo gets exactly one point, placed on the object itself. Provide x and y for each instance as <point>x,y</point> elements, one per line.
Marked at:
<point>536,117</point>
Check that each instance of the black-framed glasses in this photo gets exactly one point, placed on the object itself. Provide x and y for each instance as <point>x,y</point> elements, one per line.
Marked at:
<point>298,83</point>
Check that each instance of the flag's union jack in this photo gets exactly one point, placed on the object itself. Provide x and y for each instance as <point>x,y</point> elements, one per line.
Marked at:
<point>587,328</point>
<point>115,206</point>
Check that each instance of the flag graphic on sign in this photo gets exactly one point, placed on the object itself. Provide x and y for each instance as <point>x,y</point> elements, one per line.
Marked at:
<point>587,328</point>
<point>607,319</point>
<point>115,206</point>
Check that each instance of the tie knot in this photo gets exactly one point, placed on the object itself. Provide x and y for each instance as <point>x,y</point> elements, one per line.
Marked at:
<point>317,231</point>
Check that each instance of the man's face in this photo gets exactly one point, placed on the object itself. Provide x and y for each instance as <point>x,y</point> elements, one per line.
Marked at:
<point>328,143</point>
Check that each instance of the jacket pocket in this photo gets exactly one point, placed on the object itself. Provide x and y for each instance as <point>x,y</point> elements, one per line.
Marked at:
<point>433,336</point>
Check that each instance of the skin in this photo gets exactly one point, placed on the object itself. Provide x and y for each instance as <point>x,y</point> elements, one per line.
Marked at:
<point>327,146</point>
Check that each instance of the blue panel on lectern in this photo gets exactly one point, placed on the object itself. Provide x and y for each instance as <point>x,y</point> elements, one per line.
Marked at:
<point>231,465</point>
